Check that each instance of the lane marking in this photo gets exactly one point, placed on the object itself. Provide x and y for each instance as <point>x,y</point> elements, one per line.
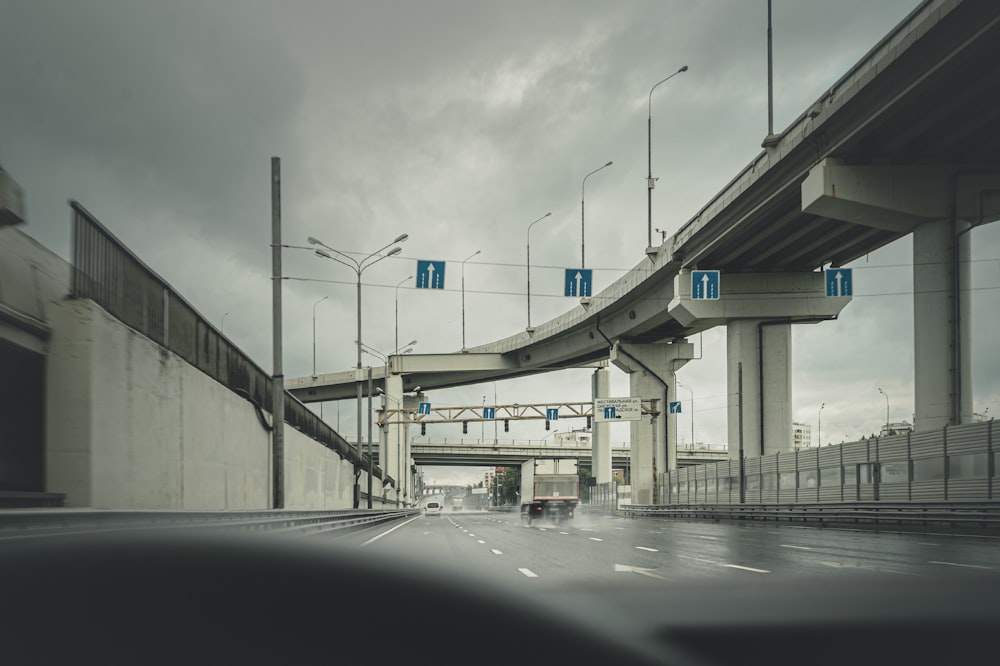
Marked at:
<point>957,564</point>
<point>785,545</point>
<point>480,541</point>
<point>529,573</point>
<point>595,539</point>
<point>639,570</point>
<point>651,550</point>
<point>564,533</point>
<point>495,551</point>
<point>389,531</point>
<point>698,559</point>
<point>736,566</point>
<point>702,536</point>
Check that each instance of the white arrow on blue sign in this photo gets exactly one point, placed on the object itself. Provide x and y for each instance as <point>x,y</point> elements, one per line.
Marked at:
<point>552,414</point>
<point>609,412</point>
<point>430,274</point>
<point>839,282</point>
<point>578,282</point>
<point>424,408</point>
<point>704,285</point>
<point>675,407</point>
<point>489,412</point>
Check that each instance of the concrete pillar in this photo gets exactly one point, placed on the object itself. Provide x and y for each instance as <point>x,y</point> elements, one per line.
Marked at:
<point>764,348</point>
<point>391,436</point>
<point>941,336</point>
<point>601,453</point>
<point>652,371</point>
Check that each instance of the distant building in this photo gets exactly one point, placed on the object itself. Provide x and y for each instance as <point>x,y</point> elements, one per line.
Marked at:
<point>801,436</point>
<point>898,428</point>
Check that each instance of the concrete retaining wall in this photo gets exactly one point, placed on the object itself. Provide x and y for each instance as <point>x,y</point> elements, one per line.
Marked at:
<point>132,426</point>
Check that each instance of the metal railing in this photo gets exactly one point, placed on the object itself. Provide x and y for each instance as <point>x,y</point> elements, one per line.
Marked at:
<point>107,272</point>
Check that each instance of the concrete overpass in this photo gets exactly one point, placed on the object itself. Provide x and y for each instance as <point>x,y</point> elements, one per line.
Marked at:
<point>902,143</point>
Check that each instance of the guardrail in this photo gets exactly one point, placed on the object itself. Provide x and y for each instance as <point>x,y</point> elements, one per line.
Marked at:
<point>40,524</point>
<point>983,516</point>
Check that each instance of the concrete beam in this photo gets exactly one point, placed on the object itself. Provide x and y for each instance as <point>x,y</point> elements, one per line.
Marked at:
<point>897,198</point>
<point>792,296</point>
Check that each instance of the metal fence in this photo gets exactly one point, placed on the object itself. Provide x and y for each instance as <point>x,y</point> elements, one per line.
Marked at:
<point>954,464</point>
<point>107,272</point>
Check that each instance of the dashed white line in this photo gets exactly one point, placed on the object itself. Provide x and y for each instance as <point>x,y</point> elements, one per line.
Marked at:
<point>529,573</point>
<point>495,551</point>
<point>785,545</point>
<point>957,564</point>
<point>480,541</point>
<point>736,566</point>
<point>702,536</point>
<point>651,550</point>
<point>595,539</point>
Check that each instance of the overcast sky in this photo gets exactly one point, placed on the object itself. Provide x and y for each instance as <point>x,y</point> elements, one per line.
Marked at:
<point>459,123</point>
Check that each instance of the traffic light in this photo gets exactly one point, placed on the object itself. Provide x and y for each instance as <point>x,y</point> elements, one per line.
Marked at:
<point>588,422</point>
<point>546,424</point>
<point>506,425</point>
<point>423,428</point>
<point>465,427</point>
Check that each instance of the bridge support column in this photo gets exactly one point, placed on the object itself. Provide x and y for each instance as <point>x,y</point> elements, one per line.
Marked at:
<point>392,435</point>
<point>652,369</point>
<point>942,343</point>
<point>601,452</point>
<point>939,205</point>
<point>763,348</point>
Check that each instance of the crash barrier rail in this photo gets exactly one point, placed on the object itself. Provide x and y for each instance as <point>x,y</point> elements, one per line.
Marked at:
<point>957,463</point>
<point>108,273</point>
<point>983,516</point>
<point>42,523</point>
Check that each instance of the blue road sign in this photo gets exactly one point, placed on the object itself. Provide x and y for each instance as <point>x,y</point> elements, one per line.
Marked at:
<point>839,282</point>
<point>609,412</point>
<point>704,285</point>
<point>578,282</point>
<point>552,414</point>
<point>489,412</point>
<point>430,274</point>
<point>675,408</point>
<point>424,408</point>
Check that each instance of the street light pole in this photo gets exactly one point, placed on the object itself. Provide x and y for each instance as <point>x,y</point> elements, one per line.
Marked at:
<point>314,334</point>
<point>886,410</point>
<point>583,255</point>
<point>463,295</point>
<point>819,426</point>
<point>397,309</point>
<point>359,267</point>
<point>691,391</point>
<point>529,266</point>
<point>650,181</point>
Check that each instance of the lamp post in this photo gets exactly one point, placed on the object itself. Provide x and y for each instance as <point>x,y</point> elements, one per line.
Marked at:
<point>463,295</point>
<point>359,267</point>
<point>397,310</point>
<point>650,181</point>
<point>886,410</point>
<point>819,426</point>
<point>583,254</point>
<point>691,391</point>
<point>529,267</point>
<point>314,334</point>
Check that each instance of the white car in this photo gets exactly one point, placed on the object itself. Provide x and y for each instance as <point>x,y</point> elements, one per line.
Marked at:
<point>433,509</point>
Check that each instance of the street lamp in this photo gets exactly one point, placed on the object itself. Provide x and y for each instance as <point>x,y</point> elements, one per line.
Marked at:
<point>886,410</point>
<point>359,267</point>
<point>397,310</point>
<point>463,295</point>
<point>529,267</point>
<point>314,334</point>
<point>583,255</point>
<point>819,426</point>
<point>691,391</point>
<point>650,181</point>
